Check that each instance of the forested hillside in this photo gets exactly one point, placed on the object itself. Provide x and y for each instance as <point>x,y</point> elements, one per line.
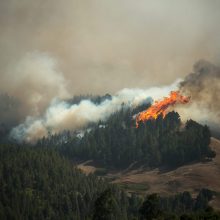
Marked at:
<point>118,143</point>
<point>40,184</point>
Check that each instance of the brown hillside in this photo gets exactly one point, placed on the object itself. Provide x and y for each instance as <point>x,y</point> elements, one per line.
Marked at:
<point>190,177</point>
<point>186,178</point>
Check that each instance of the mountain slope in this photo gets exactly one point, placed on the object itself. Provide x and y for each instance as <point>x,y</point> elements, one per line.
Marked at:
<point>185,178</point>
<point>191,177</point>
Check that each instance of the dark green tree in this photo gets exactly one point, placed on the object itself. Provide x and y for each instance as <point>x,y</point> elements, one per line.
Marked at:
<point>105,206</point>
<point>150,209</point>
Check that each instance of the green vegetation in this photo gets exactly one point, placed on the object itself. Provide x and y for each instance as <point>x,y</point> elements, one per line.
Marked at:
<point>181,206</point>
<point>135,187</point>
<point>117,143</point>
<point>37,183</point>
<point>101,172</point>
<point>40,182</point>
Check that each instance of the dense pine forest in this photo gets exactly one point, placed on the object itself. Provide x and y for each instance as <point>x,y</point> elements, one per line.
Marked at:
<point>117,143</point>
<point>40,184</point>
<point>40,181</point>
<point>109,110</point>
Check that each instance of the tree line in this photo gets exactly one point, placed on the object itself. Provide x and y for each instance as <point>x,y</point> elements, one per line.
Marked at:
<point>117,143</point>
<point>39,183</point>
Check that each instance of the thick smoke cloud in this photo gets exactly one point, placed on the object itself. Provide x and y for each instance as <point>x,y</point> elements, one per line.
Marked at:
<point>34,80</point>
<point>52,49</point>
<point>61,115</point>
<point>203,85</point>
<point>103,46</point>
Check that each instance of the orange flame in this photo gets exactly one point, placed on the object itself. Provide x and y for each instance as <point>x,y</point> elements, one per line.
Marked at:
<point>160,107</point>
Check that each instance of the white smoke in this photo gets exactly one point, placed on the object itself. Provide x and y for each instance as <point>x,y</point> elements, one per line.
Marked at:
<point>34,79</point>
<point>61,115</point>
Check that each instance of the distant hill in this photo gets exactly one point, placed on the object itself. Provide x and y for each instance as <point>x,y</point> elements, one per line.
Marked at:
<point>37,183</point>
<point>191,177</point>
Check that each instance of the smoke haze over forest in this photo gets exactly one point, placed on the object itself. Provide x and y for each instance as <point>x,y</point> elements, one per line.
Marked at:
<point>57,49</point>
<point>104,46</point>
<point>109,109</point>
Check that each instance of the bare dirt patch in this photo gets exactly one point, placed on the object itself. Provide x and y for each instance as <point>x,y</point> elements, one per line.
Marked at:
<point>86,167</point>
<point>190,177</point>
<point>185,178</point>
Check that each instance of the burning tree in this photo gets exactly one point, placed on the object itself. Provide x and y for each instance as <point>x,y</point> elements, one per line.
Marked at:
<point>160,107</point>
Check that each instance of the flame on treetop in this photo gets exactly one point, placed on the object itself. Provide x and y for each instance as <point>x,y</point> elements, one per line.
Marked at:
<point>160,107</point>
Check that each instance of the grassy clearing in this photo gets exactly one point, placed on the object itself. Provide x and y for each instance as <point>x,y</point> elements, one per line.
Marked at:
<point>135,187</point>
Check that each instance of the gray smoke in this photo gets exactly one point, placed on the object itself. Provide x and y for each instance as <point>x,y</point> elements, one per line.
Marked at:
<point>34,80</point>
<point>50,49</point>
<point>203,85</point>
<point>61,115</point>
<point>9,106</point>
<point>103,46</point>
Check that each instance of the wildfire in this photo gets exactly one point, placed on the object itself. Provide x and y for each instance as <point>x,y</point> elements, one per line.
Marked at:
<point>160,107</point>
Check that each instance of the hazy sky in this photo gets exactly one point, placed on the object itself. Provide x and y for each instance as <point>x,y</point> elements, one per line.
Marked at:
<point>99,46</point>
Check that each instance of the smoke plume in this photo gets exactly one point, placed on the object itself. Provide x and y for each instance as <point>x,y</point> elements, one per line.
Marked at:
<point>103,46</point>
<point>50,49</point>
<point>34,80</point>
<point>61,115</point>
<point>203,85</point>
